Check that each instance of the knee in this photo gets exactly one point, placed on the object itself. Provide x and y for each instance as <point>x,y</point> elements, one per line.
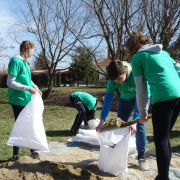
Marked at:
<point>83,112</point>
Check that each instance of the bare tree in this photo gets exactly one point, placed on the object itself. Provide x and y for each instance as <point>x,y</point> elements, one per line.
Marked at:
<point>4,47</point>
<point>174,49</point>
<point>82,32</point>
<point>162,20</point>
<point>40,63</point>
<point>56,41</point>
<point>105,24</point>
<point>115,19</point>
<point>109,24</point>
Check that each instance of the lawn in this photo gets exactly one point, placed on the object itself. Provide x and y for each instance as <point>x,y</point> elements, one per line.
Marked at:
<point>59,118</point>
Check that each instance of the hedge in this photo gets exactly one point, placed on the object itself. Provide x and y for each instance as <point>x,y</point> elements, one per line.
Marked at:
<point>41,80</point>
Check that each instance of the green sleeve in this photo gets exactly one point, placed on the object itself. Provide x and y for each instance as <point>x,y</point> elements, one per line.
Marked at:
<point>111,87</point>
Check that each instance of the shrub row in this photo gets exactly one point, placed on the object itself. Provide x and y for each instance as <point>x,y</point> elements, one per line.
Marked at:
<point>40,80</point>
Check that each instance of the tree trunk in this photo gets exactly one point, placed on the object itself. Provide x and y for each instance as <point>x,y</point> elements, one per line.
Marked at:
<point>47,92</point>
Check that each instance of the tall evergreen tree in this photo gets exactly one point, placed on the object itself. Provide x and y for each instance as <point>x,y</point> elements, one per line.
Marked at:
<point>40,62</point>
<point>83,65</point>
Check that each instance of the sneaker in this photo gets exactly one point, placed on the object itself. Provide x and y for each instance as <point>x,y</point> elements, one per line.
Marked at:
<point>14,158</point>
<point>143,166</point>
<point>34,155</point>
<point>73,133</point>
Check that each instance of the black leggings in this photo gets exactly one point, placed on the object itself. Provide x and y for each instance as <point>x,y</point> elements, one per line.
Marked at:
<point>164,116</point>
<point>83,114</point>
<point>17,109</point>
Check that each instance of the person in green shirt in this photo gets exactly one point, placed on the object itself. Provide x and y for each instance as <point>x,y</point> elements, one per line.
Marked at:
<point>151,63</point>
<point>20,86</point>
<point>121,79</point>
<point>86,105</point>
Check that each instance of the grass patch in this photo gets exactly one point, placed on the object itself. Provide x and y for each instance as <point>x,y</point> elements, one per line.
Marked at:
<point>58,121</point>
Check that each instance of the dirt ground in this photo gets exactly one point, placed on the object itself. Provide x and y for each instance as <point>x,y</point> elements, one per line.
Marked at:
<point>75,164</point>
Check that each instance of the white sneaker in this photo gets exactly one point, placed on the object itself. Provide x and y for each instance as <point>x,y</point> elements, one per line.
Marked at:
<point>143,166</point>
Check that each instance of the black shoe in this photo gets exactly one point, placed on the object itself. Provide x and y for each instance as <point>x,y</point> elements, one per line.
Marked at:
<point>73,133</point>
<point>14,158</point>
<point>34,155</point>
<point>158,178</point>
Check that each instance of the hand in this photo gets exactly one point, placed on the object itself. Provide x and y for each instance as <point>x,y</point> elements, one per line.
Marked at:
<point>86,126</point>
<point>143,119</point>
<point>34,90</point>
<point>133,128</point>
<point>98,128</point>
<point>37,89</point>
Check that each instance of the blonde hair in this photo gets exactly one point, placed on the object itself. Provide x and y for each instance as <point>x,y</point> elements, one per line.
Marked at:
<point>24,46</point>
<point>136,40</point>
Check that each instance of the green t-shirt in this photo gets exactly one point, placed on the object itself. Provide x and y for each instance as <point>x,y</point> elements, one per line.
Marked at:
<point>127,89</point>
<point>160,73</point>
<point>19,68</point>
<point>87,99</point>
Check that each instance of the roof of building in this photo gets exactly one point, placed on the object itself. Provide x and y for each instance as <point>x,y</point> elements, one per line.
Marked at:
<point>66,72</point>
<point>38,72</point>
<point>5,71</point>
<point>104,62</point>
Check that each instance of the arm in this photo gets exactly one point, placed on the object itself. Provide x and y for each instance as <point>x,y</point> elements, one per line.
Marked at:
<point>107,105</point>
<point>105,109</point>
<point>13,84</point>
<point>36,87</point>
<point>142,95</point>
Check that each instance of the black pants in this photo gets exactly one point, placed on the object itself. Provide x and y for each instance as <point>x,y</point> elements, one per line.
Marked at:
<point>164,116</point>
<point>17,109</point>
<point>83,114</point>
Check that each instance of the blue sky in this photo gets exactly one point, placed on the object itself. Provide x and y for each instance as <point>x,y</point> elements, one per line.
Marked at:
<point>6,20</point>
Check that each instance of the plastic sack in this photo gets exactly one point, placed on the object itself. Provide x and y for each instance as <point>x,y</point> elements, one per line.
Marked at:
<point>87,134</point>
<point>28,130</point>
<point>93,123</point>
<point>114,151</point>
<point>132,146</point>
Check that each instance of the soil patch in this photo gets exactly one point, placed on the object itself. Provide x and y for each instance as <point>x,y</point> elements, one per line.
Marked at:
<point>75,164</point>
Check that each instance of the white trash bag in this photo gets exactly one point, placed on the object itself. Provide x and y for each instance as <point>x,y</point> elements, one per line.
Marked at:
<point>114,151</point>
<point>132,152</point>
<point>28,130</point>
<point>90,135</point>
<point>93,123</point>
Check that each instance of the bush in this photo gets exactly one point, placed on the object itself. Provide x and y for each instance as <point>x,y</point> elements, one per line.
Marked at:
<point>58,79</point>
<point>41,80</point>
<point>3,79</point>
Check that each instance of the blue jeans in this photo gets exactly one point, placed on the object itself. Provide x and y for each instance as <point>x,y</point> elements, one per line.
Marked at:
<point>125,109</point>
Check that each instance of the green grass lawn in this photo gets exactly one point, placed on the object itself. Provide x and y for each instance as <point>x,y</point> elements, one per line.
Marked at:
<point>58,121</point>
